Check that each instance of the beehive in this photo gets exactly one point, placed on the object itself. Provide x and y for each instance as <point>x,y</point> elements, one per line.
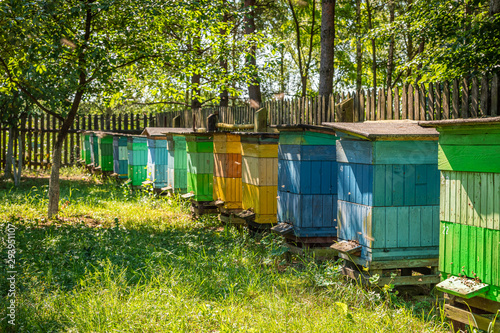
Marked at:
<point>94,150</point>
<point>177,162</point>
<point>227,170</point>
<point>259,172</point>
<point>307,180</point>
<point>388,189</point>
<point>105,147</point>
<point>85,148</point>
<point>469,160</point>
<point>200,165</point>
<point>137,149</point>
<point>120,156</point>
<point>157,167</point>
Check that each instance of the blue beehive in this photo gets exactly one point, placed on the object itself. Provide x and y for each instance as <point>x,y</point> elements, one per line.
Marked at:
<point>307,180</point>
<point>120,156</point>
<point>388,194</point>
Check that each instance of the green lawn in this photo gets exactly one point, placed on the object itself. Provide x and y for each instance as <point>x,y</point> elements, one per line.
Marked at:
<point>122,262</point>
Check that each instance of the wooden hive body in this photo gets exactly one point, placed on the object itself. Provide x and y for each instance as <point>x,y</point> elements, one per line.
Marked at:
<point>200,165</point>
<point>137,149</point>
<point>469,160</point>
<point>94,150</point>
<point>227,170</point>
<point>307,181</point>
<point>259,173</point>
<point>157,167</point>
<point>120,156</point>
<point>388,189</point>
<point>178,169</point>
<point>105,147</point>
<point>85,150</point>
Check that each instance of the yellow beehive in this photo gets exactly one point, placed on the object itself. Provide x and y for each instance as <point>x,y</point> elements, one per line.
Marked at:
<point>227,170</point>
<point>260,175</point>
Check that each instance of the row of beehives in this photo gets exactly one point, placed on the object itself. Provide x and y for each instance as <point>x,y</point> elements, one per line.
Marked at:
<point>375,185</point>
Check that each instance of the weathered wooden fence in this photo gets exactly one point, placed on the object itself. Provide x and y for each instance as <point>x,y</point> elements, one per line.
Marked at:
<point>40,134</point>
<point>465,98</point>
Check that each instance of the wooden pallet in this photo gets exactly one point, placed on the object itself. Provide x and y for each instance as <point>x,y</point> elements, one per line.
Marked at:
<point>477,312</point>
<point>410,272</point>
<point>249,217</point>
<point>229,216</point>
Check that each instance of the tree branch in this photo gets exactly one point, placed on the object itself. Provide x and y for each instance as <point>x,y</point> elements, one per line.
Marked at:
<point>24,90</point>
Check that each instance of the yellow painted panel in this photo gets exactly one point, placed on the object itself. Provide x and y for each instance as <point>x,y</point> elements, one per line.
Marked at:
<point>262,199</point>
<point>225,147</point>
<point>257,150</point>
<point>265,219</point>
<point>259,171</point>
<point>223,137</point>
<point>228,190</point>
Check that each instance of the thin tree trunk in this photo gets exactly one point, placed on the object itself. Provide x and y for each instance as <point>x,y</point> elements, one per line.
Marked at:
<point>54,189</point>
<point>390,55</point>
<point>10,159</point>
<point>17,174</point>
<point>374,55</point>
<point>195,93</point>
<point>326,70</point>
<point>224,95</point>
<point>409,48</point>
<point>251,61</point>
<point>494,7</point>
<point>303,75</point>
<point>359,55</point>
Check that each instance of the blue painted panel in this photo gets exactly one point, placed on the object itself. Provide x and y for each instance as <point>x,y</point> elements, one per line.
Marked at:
<point>307,153</point>
<point>386,152</point>
<point>406,228</point>
<point>307,177</point>
<point>311,215</point>
<point>389,185</point>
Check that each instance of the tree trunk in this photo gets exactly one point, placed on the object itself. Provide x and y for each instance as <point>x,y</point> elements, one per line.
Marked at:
<point>390,55</point>
<point>251,62</point>
<point>195,93</point>
<point>224,95</point>
<point>409,49</point>
<point>374,54</point>
<point>10,159</point>
<point>303,75</point>
<point>17,174</point>
<point>494,7</point>
<point>359,55</point>
<point>327,47</point>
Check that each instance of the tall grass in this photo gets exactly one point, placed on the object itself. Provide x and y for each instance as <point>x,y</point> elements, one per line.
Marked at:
<point>118,261</point>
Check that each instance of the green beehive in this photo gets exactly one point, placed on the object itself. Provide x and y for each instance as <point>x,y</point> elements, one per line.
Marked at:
<point>105,147</point>
<point>177,162</point>
<point>200,165</point>
<point>94,150</point>
<point>469,160</point>
<point>137,148</point>
<point>85,148</point>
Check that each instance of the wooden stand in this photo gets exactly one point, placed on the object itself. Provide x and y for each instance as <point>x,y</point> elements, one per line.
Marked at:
<point>249,217</point>
<point>476,312</point>
<point>199,208</point>
<point>229,216</point>
<point>409,272</point>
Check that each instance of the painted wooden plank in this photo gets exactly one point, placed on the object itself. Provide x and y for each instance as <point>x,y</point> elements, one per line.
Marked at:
<point>259,150</point>
<point>259,171</point>
<point>480,136</point>
<point>199,146</point>
<point>469,158</point>
<point>307,153</point>
<point>263,201</point>
<point>228,190</point>
<point>227,165</point>
<point>229,147</point>
<point>201,184</point>
<point>481,248</point>
<point>307,138</point>
<point>475,204</point>
<point>200,163</point>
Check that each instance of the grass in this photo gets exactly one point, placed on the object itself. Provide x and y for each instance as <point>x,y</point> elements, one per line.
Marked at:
<point>117,261</point>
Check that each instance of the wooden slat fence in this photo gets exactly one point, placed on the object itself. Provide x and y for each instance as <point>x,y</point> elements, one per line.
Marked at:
<point>464,98</point>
